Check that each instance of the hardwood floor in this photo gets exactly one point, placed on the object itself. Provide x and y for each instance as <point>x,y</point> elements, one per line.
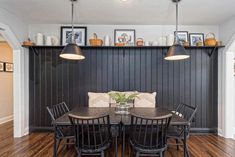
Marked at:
<point>41,145</point>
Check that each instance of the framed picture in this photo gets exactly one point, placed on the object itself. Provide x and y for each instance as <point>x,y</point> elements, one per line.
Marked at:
<point>1,66</point>
<point>183,36</point>
<point>196,39</point>
<point>80,35</point>
<point>8,67</point>
<point>124,36</point>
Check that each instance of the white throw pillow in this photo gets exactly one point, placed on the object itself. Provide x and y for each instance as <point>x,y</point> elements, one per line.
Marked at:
<point>98,99</point>
<point>146,100</point>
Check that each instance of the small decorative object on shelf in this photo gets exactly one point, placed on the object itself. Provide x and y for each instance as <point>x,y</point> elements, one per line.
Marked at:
<point>196,39</point>
<point>95,41</point>
<point>219,43</point>
<point>210,39</point>
<point>124,37</point>
<point>28,43</point>
<point>122,100</point>
<point>140,42</point>
<point>80,35</point>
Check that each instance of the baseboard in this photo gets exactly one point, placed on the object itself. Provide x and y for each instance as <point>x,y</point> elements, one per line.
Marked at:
<point>193,130</point>
<point>220,132</point>
<point>26,131</point>
<point>6,119</point>
<point>204,130</point>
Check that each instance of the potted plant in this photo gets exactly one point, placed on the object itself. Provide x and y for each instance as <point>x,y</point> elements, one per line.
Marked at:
<point>123,100</point>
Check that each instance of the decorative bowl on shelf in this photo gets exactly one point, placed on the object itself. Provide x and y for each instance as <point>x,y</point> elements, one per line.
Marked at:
<point>119,44</point>
<point>210,40</point>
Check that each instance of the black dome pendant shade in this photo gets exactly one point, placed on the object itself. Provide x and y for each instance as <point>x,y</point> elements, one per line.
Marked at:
<point>176,51</point>
<point>71,51</point>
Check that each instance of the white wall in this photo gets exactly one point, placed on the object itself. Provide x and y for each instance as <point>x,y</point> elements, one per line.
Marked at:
<point>6,85</point>
<point>227,30</point>
<point>148,32</point>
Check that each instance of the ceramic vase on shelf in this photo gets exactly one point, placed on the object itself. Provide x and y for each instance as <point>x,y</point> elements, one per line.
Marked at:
<point>39,39</point>
<point>107,41</point>
<point>170,40</point>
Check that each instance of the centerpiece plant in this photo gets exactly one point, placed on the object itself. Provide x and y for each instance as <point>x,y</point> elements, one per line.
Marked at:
<point>123,98</point>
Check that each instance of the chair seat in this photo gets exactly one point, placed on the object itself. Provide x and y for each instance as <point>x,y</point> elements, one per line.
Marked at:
<point>104,147</point>
<point>66,132</point>
<point>147,150</point>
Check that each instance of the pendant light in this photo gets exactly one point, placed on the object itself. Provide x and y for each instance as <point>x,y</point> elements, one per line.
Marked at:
<point>71,51</point>
<point>176,51</point>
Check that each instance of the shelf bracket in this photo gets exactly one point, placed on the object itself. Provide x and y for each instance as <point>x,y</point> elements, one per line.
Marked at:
<point>212,51</point>
<point>34,50</point>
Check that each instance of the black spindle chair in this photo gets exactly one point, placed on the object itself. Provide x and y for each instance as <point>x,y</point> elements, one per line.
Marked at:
<point>92,134</point>
<point>62,132</point>
<point>177,132</point>
<point>148,135</point>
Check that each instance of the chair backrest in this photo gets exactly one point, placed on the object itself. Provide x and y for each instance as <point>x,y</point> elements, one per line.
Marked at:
<point>149,133</point>
<point>57,110</point>
<point>91,132</point>
<point>185,111</point>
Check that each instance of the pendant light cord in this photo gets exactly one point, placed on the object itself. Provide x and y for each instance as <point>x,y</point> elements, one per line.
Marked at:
<point>73,40</point>
<point>177,20</point>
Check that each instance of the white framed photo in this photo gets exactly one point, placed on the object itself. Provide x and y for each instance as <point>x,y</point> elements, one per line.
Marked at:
<point>80,35</point>
<point>182,36</point>
<point>124,36</point>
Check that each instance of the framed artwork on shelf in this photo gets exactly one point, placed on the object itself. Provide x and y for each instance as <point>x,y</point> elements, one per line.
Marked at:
<point>80,35</point>
<point>196,39</point>
<point>8,67</point>
<point>182,36</point>
<point>124,37</point>
<point>1,66</point>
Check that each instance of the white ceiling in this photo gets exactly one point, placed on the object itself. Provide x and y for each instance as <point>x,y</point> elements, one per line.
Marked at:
<point>118,12</point>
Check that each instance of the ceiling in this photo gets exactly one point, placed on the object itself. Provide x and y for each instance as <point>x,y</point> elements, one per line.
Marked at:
<point>143,12</point>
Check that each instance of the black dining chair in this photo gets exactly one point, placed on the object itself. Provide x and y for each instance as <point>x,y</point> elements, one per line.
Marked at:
<point>177,132</point>
<point>62,133</point>
<point>148,136</point>
<point>92,134</point>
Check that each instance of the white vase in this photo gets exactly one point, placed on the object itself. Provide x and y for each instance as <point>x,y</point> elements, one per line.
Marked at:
<point>107,41</point>
<point>39,39</point>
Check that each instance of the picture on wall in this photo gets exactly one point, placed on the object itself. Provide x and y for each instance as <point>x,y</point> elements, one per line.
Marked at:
<point>124,37</point>
<point>80,35</point>
<point>182,36</point>
<point>9,67</point>
<point>196,39</point>
<point>1,66</point>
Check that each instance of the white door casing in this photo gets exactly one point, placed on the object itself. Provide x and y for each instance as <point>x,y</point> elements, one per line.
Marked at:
<point>20,82</point>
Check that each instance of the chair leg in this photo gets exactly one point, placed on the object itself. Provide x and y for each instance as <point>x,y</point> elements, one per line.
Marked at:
<point>161,154</point>
<point>102,154</point>
<point>67,146</point>
<point>187,151</point>
<point>177,143</point>
<point>137,154</point>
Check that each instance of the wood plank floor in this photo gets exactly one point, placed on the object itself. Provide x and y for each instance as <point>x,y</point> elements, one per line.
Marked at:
<point>41,145</point>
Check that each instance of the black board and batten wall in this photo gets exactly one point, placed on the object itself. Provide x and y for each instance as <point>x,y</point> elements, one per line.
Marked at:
<point>193,81</point>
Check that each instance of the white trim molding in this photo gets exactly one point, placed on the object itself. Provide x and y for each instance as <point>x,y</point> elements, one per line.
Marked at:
<point>6,119</point>
<point>20,82</point>
<point>226,101</point>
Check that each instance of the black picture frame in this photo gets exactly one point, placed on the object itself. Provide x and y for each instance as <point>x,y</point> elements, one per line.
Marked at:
<point>62,39</point>
<point>182,33</point>
<point>8,67</point>
<point>125,30</point>
<point>2,66</point>
<point>191,35</point>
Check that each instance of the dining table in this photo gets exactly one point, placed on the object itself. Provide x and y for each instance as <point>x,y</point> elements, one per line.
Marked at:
<point>119,122</point>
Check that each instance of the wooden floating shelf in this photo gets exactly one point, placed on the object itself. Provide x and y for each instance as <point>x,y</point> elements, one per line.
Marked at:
<point>60,46</point>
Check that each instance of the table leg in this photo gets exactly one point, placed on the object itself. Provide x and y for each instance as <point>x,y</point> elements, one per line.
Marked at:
<point>185,141</point>
<point>55,142</point>
<point>123,141</point>
<point>116,146</point>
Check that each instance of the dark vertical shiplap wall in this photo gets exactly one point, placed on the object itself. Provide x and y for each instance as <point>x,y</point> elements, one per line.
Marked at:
<point>193,81</point>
